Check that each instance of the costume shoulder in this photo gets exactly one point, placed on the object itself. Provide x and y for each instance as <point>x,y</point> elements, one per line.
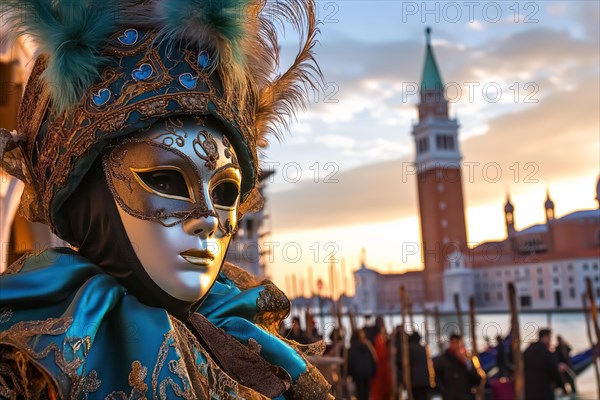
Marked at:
<point>251,311</point>
<point>69,330</point>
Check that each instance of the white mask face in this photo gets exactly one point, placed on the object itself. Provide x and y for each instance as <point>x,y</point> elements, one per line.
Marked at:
<point>177,189</point>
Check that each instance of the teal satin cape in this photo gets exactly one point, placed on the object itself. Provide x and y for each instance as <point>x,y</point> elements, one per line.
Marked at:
<point>82,327</point>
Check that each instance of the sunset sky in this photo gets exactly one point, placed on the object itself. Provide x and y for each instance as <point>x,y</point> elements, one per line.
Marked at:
<point>353,146</point>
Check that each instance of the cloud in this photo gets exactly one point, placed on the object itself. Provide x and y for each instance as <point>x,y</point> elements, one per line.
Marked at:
<point>557,132</point>
<point>377,81</point>
<point>558,136</point>
<point>336,141</point>
<point>557,9</point>
<point>475,25</point>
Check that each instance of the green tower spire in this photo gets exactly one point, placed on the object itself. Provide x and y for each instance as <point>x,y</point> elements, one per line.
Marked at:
<point>431,78</point>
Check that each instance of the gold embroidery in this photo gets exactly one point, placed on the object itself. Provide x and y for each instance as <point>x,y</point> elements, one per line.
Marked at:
<point>310,386</point>
<point>69,359</point>
<point>136,381</point>
<point>239,276</point>
<point>136,378</point>
<point>21,379</point>
<point>34,104</point>
<point>273,307</point>
<point>212,382</point>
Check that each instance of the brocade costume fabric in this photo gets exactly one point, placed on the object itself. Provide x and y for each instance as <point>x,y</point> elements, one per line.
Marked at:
<point>68,330</point>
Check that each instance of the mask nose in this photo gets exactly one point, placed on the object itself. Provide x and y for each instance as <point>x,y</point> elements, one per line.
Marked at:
<point>203,226</point>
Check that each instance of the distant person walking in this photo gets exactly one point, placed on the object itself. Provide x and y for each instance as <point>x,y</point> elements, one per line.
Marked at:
<point>542,373</point>
<point>419,368</point>
<point>361,364</point>
<point>563,356</point>
<point>455,374</point>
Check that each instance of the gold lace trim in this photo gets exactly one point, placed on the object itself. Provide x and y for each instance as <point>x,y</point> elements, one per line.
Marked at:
<point>310,386</point>
<point>242,278</point>
<point>273,306</point>
<point>136,382</point>
<point>21,379</point>
<point>214,382</point>
<point>17,265</point>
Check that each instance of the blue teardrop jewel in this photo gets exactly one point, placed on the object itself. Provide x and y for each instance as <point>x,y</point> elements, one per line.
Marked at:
<point>203,59</point>
<point>101,97</point>
<point>143,72</point>
<point>188,81</point>
<point>129,37</point>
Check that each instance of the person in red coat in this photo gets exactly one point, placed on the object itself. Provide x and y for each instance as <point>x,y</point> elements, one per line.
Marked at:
<point>381,385</point>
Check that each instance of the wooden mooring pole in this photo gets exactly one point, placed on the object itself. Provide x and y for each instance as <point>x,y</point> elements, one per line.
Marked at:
<point>516,343</point>
<point>479,394</point>
<point>595,326</point>
<point>405,350</point>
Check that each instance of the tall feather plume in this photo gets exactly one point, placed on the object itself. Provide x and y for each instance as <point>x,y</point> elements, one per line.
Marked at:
<point>279,99</point>
<point>72,34</point>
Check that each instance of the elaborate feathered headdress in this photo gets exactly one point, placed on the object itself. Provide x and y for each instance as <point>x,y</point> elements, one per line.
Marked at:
<point>107,68</point>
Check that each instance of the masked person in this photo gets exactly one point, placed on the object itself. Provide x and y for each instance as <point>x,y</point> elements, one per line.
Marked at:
<point>137,143</point>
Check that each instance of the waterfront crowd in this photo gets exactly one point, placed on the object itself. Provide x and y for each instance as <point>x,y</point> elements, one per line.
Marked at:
<point>382,365</point>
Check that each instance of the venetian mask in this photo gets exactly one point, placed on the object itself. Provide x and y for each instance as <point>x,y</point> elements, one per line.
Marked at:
<point>177,186</point>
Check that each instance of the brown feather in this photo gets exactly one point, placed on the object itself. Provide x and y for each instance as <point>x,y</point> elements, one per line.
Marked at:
<point>279,99</point>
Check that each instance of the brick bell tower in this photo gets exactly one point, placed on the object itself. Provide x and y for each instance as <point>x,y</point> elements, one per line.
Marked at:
<point>439,180</point>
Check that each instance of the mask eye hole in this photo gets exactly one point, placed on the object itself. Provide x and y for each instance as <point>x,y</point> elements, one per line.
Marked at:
<point>225,194</point>
<point>165,182</point>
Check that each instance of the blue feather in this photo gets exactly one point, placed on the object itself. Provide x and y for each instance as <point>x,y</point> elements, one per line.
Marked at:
<point>224,18</point>
<point>72,33</point>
